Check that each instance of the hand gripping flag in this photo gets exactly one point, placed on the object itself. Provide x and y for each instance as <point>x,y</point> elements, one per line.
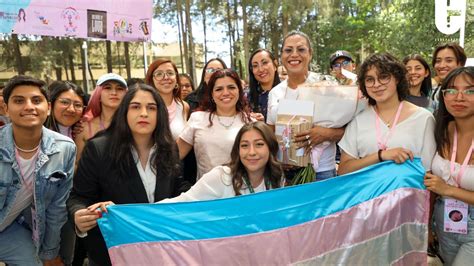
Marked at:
<point>375,216</point>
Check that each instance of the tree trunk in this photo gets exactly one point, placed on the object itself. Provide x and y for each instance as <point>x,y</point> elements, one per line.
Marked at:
<point>246,34</point>
<point>64,59</point>
<point>20,67</point>
<point>204,27</point>
<point>179,8</point>
<point>84,71</point>
<point>119,61</point>
<point>127,60</point>
<point>92,76</point>
<point>71,66</point>
<point>108,48</point>
<point>237,44</point>
<point>284,18</point>
<point>231,33</point>
<point>189,30</point>
<point>180,42</point>
<point>58,59</point>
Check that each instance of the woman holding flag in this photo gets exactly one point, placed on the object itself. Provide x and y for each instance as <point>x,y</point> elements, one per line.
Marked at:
<point>392,129</point>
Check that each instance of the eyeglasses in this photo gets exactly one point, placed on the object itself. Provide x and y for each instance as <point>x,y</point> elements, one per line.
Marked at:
<point>161,74</point>
<point>212,70</point>
<point>453,93</point>
<point>342,64</point>
<point>67,102</point>
<point>383,80</point>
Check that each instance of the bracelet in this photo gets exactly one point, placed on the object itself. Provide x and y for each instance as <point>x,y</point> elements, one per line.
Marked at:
<point>379,153</point>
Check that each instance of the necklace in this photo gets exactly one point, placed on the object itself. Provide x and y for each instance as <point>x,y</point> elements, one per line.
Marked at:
<point>224,125</point>
<point>27,151</point>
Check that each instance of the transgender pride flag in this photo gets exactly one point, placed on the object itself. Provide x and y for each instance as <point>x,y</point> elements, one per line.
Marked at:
<point>376,216</point>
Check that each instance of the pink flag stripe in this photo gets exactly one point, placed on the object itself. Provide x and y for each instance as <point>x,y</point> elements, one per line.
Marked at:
<point>344,229</point>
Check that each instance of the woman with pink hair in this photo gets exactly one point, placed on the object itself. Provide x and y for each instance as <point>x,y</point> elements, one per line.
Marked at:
<point>103,103</point>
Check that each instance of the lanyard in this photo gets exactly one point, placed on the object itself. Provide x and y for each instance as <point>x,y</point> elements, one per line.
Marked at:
<point>457,179</point>
<point>382,144</point>
<point>249,185</point>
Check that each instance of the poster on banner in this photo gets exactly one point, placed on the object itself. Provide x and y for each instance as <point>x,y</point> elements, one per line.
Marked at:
<point>119,20</point>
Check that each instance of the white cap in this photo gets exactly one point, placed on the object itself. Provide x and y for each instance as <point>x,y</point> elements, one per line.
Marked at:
<point>112,76</point>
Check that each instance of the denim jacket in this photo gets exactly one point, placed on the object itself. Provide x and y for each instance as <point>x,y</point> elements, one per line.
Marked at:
<point>53,181</point>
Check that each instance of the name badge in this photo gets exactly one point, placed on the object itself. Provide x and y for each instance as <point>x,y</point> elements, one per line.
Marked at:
<point>34,226</point>
<point>455,216</point>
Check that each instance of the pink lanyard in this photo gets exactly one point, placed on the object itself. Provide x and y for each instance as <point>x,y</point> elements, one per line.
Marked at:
<point>382,144</point>
<point>457,179</point>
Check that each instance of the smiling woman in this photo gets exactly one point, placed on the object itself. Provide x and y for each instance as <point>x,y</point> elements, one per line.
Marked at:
<point>392,128</point>
<point>135,160</point>
<point>253,167</point>
<point>67,106</point>
<point>212,130</point>
<point>102,105</point>
<point>163,76</point>
<point>419,78</point>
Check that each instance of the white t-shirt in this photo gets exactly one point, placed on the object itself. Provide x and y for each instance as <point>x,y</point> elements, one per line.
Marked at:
<point>212,145</point>
<point>327,160</point>
<point>415,133</point>
<point>179,122</point>
<point>441,167</point>
<point>24,196</point>
<point>147,175</point>
<point>216,184</point>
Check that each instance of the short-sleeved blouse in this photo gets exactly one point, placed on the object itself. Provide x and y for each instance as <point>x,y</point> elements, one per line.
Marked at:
<point>441,168</point>
<point>179,121</point>
<point>212,144</point>
<point>415,133</point>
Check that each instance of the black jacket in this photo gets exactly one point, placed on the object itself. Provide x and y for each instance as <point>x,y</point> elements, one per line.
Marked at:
<point>97,180</point>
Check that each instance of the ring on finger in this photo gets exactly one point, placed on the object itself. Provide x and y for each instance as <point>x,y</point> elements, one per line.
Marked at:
<point>309,142</point>
<point>307,137</point>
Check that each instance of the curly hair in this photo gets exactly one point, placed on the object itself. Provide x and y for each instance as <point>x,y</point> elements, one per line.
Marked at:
<point>273,168</point>
<point>385,63</point>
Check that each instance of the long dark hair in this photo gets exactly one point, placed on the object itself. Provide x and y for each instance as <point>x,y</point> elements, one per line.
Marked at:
<point>164,165</point>
<point>273,169</point>
<point>207,104</point>
<point>426,83</point>
<point>202,84</point>
<point>55,90</point>
<point>254,86</point>
<point>202,88</point>
<point>384,63</point>
<point>442,116</point>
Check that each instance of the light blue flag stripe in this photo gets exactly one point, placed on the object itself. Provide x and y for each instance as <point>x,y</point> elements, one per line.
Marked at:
<point>258,212</point>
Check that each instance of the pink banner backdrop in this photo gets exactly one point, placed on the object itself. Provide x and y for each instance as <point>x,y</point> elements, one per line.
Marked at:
<point>119,20</point>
